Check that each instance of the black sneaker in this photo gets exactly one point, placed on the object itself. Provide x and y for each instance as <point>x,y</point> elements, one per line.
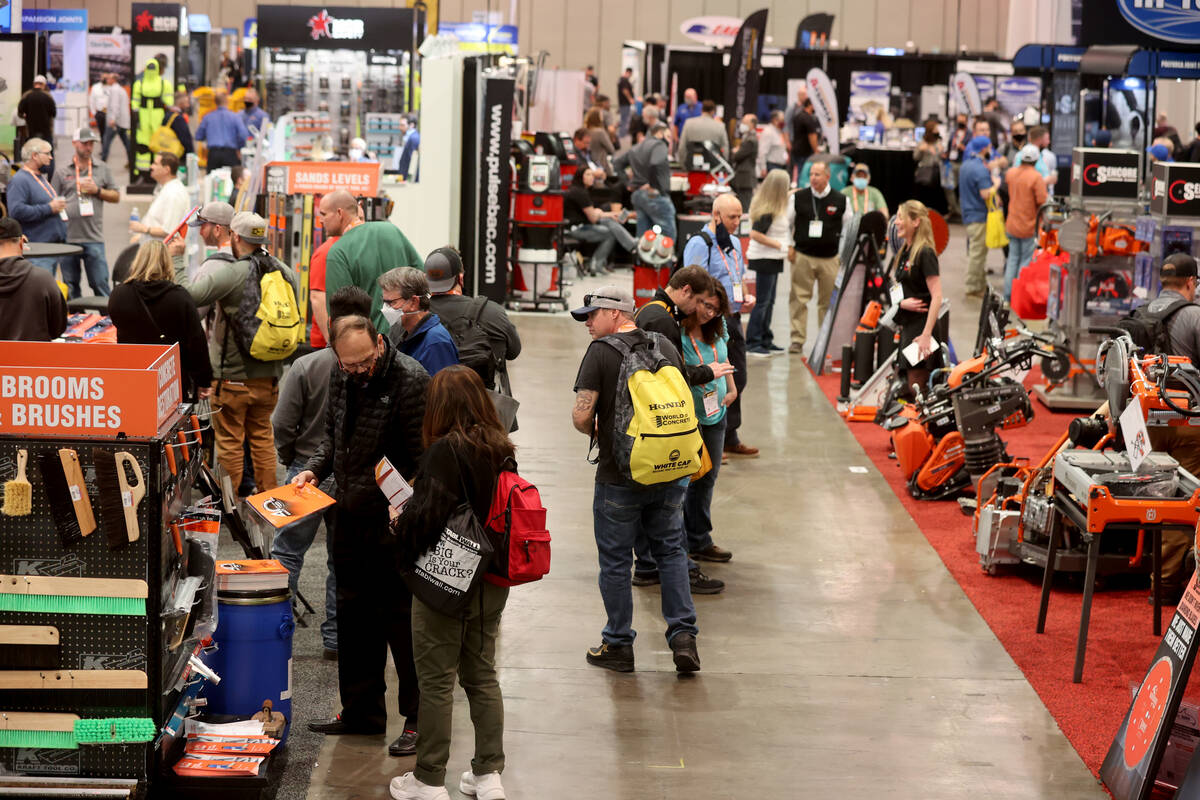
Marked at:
<point>686,657</point>
<point>646,579</point>
<point>617,657</point>
<point>702,584</point>
<point>405,745</point>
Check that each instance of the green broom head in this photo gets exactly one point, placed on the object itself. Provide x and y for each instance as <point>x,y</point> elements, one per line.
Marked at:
<point>38,740</point>
<point>117,730</point>
<point>70,604</point>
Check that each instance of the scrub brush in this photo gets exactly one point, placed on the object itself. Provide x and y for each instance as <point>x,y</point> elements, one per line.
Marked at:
<point>117,730</point>
<point>18,493</point>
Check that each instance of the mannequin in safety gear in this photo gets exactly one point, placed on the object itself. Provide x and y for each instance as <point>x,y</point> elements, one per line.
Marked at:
<point>151,96</point>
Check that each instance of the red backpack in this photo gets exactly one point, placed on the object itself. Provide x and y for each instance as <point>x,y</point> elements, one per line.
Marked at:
<point>517,523</point>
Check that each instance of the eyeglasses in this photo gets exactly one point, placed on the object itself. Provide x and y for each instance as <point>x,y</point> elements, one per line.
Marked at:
<point>713,307</point>
<point>358,367</point>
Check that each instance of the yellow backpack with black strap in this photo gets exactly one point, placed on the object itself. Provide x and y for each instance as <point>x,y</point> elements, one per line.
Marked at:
<point>164,139</point>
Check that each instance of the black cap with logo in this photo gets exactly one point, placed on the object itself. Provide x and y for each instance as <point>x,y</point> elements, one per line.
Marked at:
<point>1178,265</point>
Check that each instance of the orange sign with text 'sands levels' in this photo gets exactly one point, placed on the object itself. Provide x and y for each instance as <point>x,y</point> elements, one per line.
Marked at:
<point>65,389</point>
<point>360,179</point>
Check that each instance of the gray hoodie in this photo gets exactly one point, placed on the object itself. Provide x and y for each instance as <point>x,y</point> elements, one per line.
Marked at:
<point>32,307</point>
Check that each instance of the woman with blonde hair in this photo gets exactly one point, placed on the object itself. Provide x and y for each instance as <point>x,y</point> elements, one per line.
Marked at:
<point>602,146</point>
<point>915,269</point>
<point>150,308</point>
<point>772,217</point>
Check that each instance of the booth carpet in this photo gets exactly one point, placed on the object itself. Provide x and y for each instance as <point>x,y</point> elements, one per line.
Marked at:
<point>1121,642</point>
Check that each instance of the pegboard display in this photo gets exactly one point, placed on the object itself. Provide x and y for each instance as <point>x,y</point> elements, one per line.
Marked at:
<point>30,546</point>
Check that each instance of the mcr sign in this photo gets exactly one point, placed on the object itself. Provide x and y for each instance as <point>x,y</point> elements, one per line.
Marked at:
<point>1175,190</point>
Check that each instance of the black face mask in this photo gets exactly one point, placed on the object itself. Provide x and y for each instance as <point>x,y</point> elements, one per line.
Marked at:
<point>1019,138</point>
<point>248,105</point>
<point>723,240</point>
<point>962,126</point>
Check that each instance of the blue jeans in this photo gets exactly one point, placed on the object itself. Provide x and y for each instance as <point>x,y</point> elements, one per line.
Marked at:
<point>604,234</point>
<point>623,126</point>
<point>619,513</point>
<point>758,330</point>
<point>48,263</point>
<point>1020,252</point>
<point>290,545</point>
<point>697,521</point>
<point>94,262</point>
<point>109,132</point>
<point>657,210</point>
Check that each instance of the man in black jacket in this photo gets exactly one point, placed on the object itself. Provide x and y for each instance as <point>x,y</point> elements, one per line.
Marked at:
<point>745,161</point>
<point>376,408</point>
<point>32,309</point>
<point>819,212</point>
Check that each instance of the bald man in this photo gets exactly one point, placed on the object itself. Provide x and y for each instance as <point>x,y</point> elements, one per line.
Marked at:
<point>252,114</point>
<point>339,213</point>
<point>686,110</point>
<point>365,251</point>
<point>718,249</point>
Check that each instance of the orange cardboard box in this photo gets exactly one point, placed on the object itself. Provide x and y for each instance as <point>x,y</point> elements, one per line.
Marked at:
<point>62,389</point>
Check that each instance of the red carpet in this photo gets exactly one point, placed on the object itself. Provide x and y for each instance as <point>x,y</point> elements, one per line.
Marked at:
<point>1121,642</point>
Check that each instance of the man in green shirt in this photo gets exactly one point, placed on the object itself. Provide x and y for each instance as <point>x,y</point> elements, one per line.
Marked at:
<point>861,196</point>
<point>245,389</point>
<point>365,251</point>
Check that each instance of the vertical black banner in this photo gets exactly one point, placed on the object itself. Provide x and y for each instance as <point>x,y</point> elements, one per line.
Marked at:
<point>745,63</point>
<point>1132,762</point>
<point>495,188</point>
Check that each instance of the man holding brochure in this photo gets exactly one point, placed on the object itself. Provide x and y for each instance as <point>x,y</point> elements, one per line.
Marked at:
<point>375,410</point>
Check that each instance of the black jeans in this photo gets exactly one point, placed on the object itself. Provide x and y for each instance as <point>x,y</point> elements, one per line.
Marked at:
<point>374,612</point>
<point>223,157</point>
<point>737,357</point>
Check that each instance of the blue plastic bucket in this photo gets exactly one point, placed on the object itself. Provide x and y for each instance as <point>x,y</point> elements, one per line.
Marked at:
<point>254,653</point>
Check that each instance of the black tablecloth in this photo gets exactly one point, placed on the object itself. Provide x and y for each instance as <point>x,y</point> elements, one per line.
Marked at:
<point>892,173</point>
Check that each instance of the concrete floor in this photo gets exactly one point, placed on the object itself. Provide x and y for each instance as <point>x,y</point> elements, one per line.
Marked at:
<point>842,660</point>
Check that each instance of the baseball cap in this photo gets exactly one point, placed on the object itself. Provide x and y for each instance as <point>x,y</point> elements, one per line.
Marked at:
<point>1030,154</point>
<point>9,228</point>
<point>977,144</point>
<point>1178,265</point>
<point>85,134</point>
<point>215,212</point>
<point>604,297</point>
<point>250,227</point>
<point>39,79</point>
<point>442,268</point>
<point>1159,151</point>
<point>863,168</point>
<point>1103,138</point>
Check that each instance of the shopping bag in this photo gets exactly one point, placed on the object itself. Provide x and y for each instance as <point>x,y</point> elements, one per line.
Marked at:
<point>443,576</point>
<point>996,237</point>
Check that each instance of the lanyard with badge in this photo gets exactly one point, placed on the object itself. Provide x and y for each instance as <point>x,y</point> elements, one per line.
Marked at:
<point>903,269</point>
<point>815,225</point>
<point>735,277</point>
<point>48,189</point>
<point>866,198</point>
<point>86,207</point>
<point>711,404</point>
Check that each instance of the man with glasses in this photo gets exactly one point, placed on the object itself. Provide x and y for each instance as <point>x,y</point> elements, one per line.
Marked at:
<point>34,203</point>
<point>376,409</point>
<point>416,331</point>
<point>245,389</point>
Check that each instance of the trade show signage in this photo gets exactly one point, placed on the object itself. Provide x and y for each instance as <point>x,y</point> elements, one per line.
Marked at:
<point>824,101</point>
<point>54,19</point>
<point>156,18</point>
<point>1102,172</point>
<point>495,184</point>
<point>323,177</point>
<point>1017,94</point>
<point>334,27</point>
<point>63,389</point>
<point>965,92</point>
<point>479,37</point>
<point>1175,189</point>
<point>712,31</point>
<point>250,34</point>
<point>866,87</point>
<point>1132,761</point>
<point>1173,20</point>
<point>745,64</point>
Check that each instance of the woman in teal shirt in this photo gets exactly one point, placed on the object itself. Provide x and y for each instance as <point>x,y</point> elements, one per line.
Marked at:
<point>705,340</point>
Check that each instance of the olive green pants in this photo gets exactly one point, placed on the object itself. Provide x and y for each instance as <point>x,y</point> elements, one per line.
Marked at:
<point>447,646</point>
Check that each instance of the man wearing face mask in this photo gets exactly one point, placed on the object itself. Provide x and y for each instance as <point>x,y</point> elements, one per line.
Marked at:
<point>862,196</point>
<point>253,117</point>
<point>415,330</point>
<point>819,212</point>
<point>245,389</point>
<point>744,160</point>
<point>716,249</point>
<point>376,407</point>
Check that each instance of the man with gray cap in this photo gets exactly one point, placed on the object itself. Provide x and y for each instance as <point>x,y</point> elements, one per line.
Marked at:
<point>245,389</point>
<point>472,321</point>
<point>1026,194</point>
<point>86,184</point>
<point>621,507</point>
<point>213,221</point>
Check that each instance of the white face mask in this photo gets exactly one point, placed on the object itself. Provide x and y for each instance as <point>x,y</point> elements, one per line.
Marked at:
<point>392,315</point>
<point>355,154</point>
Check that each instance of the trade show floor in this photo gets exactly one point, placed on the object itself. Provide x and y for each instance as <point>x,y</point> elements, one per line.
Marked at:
<point>842,660</point>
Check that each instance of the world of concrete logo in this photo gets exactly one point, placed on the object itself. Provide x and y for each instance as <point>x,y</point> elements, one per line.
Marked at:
<point>1172,20</point>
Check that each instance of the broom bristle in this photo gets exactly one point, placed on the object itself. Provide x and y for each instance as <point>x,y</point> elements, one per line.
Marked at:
<point>112,511</point>
<point>39,740</point>
<point>18,498</point>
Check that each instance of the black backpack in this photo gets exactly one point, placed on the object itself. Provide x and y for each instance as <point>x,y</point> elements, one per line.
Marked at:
<point>474,345</point>
<point>1149,329</point>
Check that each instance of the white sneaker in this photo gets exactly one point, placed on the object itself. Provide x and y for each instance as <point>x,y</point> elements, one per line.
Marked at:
<point>481,787</point>
<point>407,787</point>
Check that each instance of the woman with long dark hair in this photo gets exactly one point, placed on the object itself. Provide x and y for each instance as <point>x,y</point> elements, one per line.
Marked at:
<point>916,270</point>
<point>705,340</point>
<point>466,448</point>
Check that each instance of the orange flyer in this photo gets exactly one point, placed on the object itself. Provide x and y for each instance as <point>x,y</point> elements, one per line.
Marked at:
<point>286,504</point>
<point>250,566</point>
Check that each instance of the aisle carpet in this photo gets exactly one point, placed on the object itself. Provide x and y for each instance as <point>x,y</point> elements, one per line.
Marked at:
<point>1121,641</point>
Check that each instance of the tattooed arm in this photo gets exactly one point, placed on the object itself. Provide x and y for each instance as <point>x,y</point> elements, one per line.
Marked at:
<point>583,414</point>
